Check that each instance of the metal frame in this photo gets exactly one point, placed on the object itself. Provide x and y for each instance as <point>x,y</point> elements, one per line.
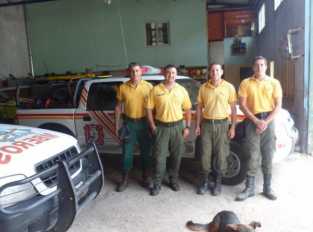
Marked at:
<point>22,2</point>
<point>308,81</point>
<point>220,5</point>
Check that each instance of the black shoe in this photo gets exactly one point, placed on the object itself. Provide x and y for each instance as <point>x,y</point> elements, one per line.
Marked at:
<point>124,183</point>
<point>145,179</point>
<point>122,186</point>
<point>155,190</point>
<point>267,190</point>
<point>249,190</point>
<point>146,182</point>
<point>217,190</point>
<point>203,188</point>
<point>174,186</point>
<point>269,194</point>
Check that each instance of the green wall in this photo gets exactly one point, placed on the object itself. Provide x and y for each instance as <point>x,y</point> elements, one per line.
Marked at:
<point>77,34</point>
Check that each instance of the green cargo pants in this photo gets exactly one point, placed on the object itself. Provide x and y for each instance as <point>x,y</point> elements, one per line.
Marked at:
<point>169,142</point>
<point>138,134</point>
<point>259,146</point>
<point>215,143</point>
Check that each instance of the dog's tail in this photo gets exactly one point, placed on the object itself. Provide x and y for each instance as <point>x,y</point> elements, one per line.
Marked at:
<point>197,227</point>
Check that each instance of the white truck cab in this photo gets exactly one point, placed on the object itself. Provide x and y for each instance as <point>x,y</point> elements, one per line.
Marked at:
<point>44,179</point>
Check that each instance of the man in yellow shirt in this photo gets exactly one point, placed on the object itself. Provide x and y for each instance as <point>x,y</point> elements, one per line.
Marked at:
<point>260,98</point>
<point>132,96</point>
<point>168,101</point>
<point>216,99</point>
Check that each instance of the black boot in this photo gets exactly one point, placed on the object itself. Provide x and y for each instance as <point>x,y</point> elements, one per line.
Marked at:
<point>249,190</point>
<point>145,179</point>
<point>218,186</point>
<point>203,187</point>
<point>155,190</point>
<point>174,185</point>
<point>267,191</point>
<point>124,183</point>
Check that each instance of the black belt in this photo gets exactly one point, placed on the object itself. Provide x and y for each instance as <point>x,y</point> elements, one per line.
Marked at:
<point>126,118</point>
<point>262,115</point>
<point>215,121</point>
<point>169,124</point>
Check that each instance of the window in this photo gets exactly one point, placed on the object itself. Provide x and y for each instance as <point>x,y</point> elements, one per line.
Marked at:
<point>102,96</point>
<point>277,3</point>
<point>157,34</point>
<point>261,18</point>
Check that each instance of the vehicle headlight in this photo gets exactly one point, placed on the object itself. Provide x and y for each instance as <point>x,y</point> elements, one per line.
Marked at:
<point>17,193</point>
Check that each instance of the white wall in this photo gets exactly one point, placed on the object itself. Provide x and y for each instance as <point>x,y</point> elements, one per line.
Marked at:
<point>13,44</point>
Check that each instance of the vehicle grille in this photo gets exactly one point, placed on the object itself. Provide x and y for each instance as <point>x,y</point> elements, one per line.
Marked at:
<point>51,179</point>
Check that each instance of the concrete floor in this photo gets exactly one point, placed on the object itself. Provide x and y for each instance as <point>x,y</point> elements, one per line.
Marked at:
<point>136,211</point>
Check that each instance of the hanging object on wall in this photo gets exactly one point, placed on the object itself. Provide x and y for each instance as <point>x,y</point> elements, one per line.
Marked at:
<point>107,2</point>
<point>292,43</point>
<point>238,47</point>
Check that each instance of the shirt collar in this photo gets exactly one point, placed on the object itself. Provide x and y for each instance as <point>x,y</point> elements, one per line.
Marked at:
<point>162,86</point>
<point>210,85</point>
<point>266,78</point>
<point>129,83</point>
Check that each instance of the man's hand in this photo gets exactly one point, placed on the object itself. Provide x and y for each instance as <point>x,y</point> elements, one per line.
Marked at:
<point>153,129</point>
<point>231,132</point>
<point>261,126</point>
<point>185,132</point>
<point>117,128</point>
<point>198,130</point>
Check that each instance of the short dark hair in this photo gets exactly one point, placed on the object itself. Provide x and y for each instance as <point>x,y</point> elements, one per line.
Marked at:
<point>211,64</point>
<point>133,64</point>
<point>259,58</point>
<point>170,66</point>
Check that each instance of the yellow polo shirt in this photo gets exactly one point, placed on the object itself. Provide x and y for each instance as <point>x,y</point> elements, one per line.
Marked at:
<point>134,98</point>
<point>260,94</point>
<point>216,100</point>
<point>168,104</point>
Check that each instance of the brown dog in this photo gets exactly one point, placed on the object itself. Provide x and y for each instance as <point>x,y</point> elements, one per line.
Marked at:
<point>224,221</point>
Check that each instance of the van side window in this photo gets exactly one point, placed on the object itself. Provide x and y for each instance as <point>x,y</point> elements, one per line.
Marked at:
<point>102,96</point>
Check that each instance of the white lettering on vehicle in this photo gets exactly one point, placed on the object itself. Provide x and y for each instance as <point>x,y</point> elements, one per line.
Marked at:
<point>18,147</point>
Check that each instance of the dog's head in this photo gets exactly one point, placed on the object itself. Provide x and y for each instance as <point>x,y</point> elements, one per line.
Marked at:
<point>243,228</point>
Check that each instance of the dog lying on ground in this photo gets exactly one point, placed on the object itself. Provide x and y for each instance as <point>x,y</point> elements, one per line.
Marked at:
<point>224,221</point>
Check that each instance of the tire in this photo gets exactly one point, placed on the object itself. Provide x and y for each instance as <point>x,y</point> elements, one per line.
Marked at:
<point>57,127</point>
<point>237,165</point>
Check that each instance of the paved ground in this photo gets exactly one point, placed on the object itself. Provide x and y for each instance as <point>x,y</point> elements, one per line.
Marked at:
<point>135,211</point>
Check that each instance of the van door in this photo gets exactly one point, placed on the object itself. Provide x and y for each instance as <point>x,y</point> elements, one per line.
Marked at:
<point>95,118</point>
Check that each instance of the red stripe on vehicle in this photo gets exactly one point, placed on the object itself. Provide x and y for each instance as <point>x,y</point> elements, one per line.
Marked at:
<point>102,121</point>
<point>83,97</point>
<point>50,116</point>
<point>108,117</point>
